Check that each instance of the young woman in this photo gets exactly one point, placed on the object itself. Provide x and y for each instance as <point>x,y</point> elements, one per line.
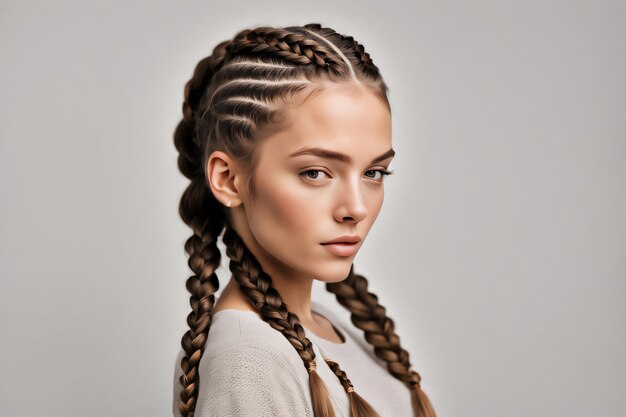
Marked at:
<point>286,138</point>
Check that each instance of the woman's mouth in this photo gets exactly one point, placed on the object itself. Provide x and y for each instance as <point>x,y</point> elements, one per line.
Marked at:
<point>341,248</point>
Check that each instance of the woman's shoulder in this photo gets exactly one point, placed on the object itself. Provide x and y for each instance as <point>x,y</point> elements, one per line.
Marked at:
<point>246,364</point>
<point>240,338</point>
<point>235,332</point>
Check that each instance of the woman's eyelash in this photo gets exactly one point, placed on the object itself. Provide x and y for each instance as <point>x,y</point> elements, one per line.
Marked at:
<point>385,172</point>
<point>304,173</point>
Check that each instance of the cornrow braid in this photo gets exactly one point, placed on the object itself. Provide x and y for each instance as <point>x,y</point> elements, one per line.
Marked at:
<point>286,45</point>
<point>352,47</point>
<point>370,316</point>
<point>234,94</point>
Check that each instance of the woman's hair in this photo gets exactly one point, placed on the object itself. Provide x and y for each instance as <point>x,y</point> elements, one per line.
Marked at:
<point>235,97</point>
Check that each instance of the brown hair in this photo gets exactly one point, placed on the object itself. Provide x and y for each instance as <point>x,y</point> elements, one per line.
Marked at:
<point>234,98</point>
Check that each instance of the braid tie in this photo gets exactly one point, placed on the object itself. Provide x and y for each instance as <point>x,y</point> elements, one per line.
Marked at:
<point>359,407</point>
<point>343,378</point>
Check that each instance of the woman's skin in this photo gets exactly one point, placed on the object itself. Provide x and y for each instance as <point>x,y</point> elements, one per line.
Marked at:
<point>295,211</point>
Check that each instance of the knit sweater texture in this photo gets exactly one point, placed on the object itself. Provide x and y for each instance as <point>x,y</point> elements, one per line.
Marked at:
<point>250,369</point>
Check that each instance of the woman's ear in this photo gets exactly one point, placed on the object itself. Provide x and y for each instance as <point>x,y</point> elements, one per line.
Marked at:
<point>222,172</point>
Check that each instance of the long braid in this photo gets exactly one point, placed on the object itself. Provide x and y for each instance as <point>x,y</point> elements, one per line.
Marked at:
<point>370,316</point>
<point>198,210</point>
<point>257,285</point>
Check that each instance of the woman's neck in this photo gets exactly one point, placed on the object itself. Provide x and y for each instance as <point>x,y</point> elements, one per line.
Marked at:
<point>297,298</point>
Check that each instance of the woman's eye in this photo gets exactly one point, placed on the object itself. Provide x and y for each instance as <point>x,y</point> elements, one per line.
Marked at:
<point>383,173</point>
<point>308,173</point>
<point>314,174</point>
<point>374,171</point>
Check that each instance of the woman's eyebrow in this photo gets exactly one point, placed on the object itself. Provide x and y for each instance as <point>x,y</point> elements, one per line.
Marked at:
<point>328,154</point>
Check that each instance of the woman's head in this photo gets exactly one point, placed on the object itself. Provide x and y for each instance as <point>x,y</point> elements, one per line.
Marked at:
<point>302,198</point>
<point>258,99</point>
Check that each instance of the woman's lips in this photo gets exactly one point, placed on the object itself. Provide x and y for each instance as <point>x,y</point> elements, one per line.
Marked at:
<point>341,249</point>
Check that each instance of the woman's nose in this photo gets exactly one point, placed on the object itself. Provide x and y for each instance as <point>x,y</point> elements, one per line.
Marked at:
<point>351,202</point>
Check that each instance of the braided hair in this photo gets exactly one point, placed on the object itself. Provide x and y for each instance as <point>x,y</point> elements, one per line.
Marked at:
<point>233,96</point>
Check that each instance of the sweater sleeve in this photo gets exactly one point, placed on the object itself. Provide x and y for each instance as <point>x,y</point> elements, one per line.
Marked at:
<point>245,378</point>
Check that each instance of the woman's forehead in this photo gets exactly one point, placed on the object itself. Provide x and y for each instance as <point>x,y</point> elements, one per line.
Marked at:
<point>341,119</point>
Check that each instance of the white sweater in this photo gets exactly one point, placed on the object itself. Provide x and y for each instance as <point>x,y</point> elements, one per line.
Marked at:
<point>250,369</point>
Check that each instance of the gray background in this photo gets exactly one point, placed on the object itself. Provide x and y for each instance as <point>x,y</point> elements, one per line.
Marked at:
<point>499,251</point>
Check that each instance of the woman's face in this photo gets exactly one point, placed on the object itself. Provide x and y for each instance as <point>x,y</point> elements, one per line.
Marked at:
<point>304,199</point>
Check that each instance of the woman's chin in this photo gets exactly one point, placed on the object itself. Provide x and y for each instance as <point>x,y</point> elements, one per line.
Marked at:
<point>335,273</point>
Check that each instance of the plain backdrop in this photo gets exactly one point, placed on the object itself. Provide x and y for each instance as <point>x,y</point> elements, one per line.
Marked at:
<point>499,251</point>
